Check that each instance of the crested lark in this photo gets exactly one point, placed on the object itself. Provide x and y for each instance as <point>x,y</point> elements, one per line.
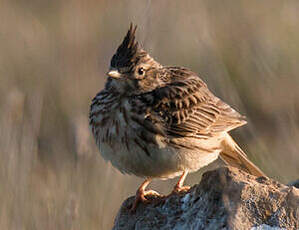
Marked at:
<point>161,122</point>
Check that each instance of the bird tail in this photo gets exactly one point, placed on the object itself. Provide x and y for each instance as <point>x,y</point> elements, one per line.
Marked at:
<point>234,156</point>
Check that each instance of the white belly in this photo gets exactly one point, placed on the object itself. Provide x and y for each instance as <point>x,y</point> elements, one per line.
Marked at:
<point>116,139</point>
<point>162,162</point>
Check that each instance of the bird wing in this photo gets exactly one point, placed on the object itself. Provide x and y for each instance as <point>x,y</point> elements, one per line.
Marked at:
<point>188,108</point>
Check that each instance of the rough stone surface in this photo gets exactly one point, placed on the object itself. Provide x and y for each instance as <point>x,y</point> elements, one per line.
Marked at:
<point>294,183</point>
<point>226,198</point>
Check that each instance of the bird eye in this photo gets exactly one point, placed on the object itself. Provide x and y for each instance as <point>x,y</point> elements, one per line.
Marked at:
<point>140,71</point>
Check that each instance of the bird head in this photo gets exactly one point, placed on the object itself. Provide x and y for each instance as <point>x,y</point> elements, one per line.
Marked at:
<point>132,70</point>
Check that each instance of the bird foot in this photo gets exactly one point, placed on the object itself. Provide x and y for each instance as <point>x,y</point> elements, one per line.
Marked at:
<point>179,189</point>
<point>141,197</point>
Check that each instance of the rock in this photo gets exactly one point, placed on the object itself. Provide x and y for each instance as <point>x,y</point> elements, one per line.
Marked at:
<point>294,183</point>
<point>226,198</point>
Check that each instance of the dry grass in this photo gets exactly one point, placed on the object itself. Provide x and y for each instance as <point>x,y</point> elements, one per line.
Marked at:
<point>52,62</point>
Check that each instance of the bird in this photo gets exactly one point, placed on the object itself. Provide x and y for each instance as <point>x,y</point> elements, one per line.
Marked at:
<point>161,122</point>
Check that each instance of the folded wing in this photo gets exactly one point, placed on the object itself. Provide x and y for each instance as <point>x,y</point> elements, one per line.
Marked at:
<point>188,108</point>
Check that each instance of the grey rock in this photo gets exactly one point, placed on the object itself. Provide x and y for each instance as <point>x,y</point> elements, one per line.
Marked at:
<point>226,198</point>
<point>294,183</point>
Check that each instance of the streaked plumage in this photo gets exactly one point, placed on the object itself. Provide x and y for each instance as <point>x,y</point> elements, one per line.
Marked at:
<point>160,122</point>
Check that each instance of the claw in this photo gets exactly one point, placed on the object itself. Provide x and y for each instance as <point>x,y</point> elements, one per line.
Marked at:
<point>178,188</point>
<point>141,195</point>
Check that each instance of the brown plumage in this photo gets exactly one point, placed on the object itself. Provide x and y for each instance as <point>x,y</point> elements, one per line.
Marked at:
<point>161,122</point>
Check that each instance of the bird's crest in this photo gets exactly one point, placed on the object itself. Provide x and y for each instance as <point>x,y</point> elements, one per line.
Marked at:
<point>127,53</point>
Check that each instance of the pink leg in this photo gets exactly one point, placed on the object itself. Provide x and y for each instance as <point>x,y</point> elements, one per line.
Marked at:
<point>141,193</point>
<point>179,185</point>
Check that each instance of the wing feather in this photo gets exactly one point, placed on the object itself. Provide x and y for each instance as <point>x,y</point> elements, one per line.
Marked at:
<point>188,108</point>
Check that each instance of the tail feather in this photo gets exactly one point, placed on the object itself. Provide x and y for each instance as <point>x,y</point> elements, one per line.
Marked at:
<point>233,155</point>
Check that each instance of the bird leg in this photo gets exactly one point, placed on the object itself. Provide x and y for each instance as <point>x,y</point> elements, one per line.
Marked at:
<point>179,185</point>
<point>141,194</point>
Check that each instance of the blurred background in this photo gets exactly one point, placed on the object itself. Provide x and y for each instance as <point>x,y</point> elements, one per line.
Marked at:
<point>53,59</point>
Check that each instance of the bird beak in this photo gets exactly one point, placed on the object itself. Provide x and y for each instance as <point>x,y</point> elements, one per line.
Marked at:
<point>114,74</point>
